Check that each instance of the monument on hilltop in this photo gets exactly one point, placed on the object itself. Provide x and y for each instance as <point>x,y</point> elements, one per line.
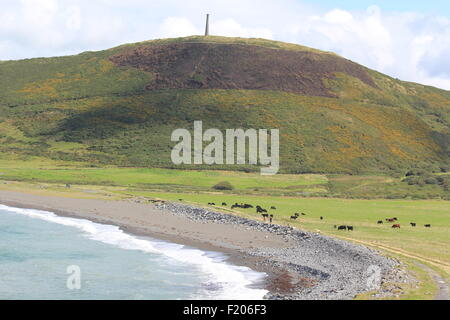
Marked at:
<point>207,25</point>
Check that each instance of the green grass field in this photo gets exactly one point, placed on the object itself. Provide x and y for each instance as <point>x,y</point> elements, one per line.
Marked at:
<point>169,180</point>
<point>431,243</point>
<point>166,177</point>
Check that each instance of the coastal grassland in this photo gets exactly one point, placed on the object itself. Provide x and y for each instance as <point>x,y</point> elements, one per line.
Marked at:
<point>430,243</point>
<point>413,245</point>
<point>42,169</point>
<point>426,245</point>
<point>154,178</point>
<point>289,193</point>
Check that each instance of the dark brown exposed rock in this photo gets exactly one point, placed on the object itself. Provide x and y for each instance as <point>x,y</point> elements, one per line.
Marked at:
<point>236,66</point>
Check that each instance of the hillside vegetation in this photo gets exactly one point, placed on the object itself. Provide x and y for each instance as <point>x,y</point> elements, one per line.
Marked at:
<point>120,106</point>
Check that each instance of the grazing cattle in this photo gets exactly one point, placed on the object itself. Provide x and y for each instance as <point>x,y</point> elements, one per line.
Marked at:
<point>271,218</point>
<point>321,218</point>
<point>428,226</point>
<point>303,214</point>
<point>273,208</point>
<point>349,228</point>
<point>380,222</point>
<point>342,228</point>
<point>396,226</point>
<point>224,204</point>
<point>265,216</point>
<point>180,199</point>
<point>390,220</point>
<point>260,210</point>
<point>242,205</point>
<point>413,224</point>
<point>211,204</point>
<point>395,219</point>
<point>294,217</point>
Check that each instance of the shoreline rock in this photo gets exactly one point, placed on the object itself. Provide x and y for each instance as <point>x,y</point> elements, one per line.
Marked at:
<point>334,269</point>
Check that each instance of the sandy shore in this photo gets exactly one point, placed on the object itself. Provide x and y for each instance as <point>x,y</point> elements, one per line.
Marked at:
<point>300,265</point>
<point>148,220</point>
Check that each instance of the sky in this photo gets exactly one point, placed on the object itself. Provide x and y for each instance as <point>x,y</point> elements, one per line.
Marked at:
<point>409,40</point>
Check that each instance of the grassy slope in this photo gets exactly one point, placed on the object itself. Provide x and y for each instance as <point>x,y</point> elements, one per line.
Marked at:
<point>83,108</point>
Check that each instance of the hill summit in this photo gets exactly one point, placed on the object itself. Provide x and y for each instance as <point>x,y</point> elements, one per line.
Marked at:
<point>119,106</point>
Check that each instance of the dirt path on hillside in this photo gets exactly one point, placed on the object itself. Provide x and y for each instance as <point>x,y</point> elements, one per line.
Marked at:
<point>441,283</point>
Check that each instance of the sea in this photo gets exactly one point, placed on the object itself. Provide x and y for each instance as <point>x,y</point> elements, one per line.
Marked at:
<point>48,257</point>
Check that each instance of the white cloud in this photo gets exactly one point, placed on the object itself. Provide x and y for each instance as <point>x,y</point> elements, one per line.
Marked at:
<point>407,45</point>
<point>361,37</point>
<point>177,27</point>
<point>338,16</point>
<point>231,28</point>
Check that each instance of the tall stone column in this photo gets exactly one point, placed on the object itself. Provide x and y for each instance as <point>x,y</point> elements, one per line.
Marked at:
<point>207,25</point>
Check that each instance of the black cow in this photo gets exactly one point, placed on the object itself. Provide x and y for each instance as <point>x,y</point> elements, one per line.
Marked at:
<point>265,216</point>
<point>273,208</point>
<point>260,210</point>
<point>428,226</point>
<point>321,218</point>
<point>295,216</point>
<point>235,206</point>
<point>380,222</point>
<point>224,204</point>
<point>413,224</point>
<point>349,228</point>
<point>342,228</point>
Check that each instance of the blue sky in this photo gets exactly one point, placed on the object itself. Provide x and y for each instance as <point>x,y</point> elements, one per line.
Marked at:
<point>431,6</point>
<point>409,40</point>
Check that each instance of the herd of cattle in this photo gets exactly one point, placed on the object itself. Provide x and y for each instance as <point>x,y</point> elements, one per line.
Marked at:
<point>397,225</point>
<point>266,216</point>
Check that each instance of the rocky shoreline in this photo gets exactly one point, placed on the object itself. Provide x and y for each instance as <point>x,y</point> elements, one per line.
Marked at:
<point>299,265</point>
<point>315,266</point>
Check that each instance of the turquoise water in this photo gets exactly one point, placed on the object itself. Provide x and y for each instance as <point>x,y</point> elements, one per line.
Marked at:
<point>37,247</point>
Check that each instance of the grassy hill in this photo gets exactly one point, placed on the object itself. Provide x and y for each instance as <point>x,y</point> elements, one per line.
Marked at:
<point>119,106</point>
